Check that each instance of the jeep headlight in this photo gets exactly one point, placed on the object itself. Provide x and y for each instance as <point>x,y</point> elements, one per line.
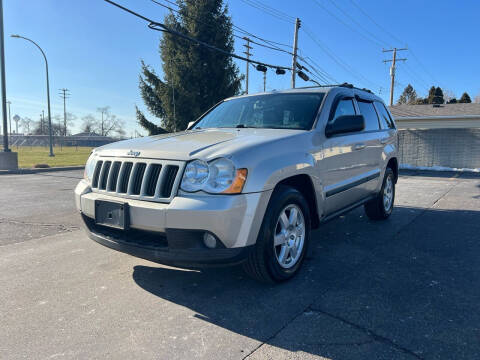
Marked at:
<point>90,167</point>
<point>218,177</point>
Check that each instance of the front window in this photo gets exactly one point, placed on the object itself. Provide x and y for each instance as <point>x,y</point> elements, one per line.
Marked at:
<point>275,111</point>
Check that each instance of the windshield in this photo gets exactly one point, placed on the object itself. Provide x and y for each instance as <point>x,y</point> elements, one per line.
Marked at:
<point>279,111</point>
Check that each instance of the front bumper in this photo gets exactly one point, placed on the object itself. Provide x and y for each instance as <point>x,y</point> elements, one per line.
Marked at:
<point>172,233</point>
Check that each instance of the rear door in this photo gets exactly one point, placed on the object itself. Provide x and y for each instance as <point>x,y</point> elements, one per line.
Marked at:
<point>372,140</point>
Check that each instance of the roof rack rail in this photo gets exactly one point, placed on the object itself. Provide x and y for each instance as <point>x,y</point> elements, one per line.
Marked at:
<point>345,85</point>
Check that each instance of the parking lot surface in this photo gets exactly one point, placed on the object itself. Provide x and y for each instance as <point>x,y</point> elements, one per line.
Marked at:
<point>406,288</point>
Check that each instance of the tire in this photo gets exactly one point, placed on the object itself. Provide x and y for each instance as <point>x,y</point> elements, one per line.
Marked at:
<point>380,208</point>
<point>276,263</point>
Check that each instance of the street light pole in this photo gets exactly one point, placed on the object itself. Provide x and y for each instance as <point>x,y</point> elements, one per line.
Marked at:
<point>4,87</point>
<point>50,134</point>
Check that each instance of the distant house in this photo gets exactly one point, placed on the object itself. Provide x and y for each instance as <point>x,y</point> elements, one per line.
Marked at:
<point>436,116</point>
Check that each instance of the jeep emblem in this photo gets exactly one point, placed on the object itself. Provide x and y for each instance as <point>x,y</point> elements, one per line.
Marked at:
<point>133,153</point>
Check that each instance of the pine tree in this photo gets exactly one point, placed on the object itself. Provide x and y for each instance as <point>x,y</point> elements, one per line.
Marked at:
<point>438,97</point>
<point>409,95</point>
<point>195,76</point>
<point>431,95</point>
<point>465,98</point>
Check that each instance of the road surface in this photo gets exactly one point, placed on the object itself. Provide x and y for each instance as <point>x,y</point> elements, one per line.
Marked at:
<point>407,288</point>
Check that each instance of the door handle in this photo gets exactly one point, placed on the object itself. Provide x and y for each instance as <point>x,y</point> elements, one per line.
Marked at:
<point>359,146</point>
<point>384,140</point>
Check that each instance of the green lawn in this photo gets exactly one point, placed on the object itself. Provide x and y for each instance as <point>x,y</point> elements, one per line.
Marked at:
<point>68,156</point>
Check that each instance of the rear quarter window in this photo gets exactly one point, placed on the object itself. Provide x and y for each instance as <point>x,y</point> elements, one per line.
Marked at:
<point>386,120</point>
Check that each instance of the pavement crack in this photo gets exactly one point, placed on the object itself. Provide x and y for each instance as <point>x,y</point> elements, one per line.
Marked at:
<point>300,313</point>
<point>18,222</point>
<point>368,332</point>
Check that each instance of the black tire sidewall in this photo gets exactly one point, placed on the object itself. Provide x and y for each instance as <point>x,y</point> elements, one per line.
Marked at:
<point>281,198</point>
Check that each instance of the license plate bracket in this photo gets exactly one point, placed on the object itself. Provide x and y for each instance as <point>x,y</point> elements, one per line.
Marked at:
<point>112,214</point>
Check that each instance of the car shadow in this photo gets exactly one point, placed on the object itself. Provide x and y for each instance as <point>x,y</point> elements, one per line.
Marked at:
<point>408,287</point>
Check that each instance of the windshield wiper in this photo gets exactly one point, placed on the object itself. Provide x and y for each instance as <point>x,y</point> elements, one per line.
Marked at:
<point>242,126</point>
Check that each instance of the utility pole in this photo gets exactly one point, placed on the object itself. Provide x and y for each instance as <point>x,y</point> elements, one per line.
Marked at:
<point>264,81</point>
<point>393,68</point>
<point>65,95</point>
<point>43,122</point>
<point>295,47</point>
<point>247,52</point>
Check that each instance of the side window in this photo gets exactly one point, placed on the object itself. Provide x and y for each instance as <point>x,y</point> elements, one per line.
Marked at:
<point>370,115</point>
<point>344,107</point>
<point>385,120</point>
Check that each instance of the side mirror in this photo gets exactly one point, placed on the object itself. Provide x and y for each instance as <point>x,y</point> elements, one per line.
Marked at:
<point>345,124</point>
<point>190,124</point>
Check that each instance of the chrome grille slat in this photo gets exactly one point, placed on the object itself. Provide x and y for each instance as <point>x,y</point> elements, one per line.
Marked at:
<point>143,179</point>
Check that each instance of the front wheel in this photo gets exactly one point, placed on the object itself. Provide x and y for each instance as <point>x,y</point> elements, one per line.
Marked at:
<point>381,206</point>
<point>283,238</point>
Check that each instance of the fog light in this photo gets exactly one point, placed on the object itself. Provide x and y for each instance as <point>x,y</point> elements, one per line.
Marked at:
<point>209,240</point>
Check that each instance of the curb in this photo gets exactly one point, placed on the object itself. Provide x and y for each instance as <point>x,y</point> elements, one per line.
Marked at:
<point>34,171</point>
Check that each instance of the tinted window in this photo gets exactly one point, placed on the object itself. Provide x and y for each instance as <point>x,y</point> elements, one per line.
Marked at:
<point>283,111</point>
<point>370,115</point>
<point>385,120</point>
<point>344,107</point>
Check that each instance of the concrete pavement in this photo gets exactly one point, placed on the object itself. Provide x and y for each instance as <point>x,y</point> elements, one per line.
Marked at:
<point>407,288</point>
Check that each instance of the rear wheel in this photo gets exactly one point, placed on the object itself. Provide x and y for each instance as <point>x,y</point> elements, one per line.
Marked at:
<point>283,238</point>
<point>381,207</point>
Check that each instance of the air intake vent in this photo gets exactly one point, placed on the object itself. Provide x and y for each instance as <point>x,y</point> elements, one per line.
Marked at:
<point>125,177</point>
<point>138,177</point>
<point>112,181</point>
<point>104,175</point>
<point>151,180</point>
<point>96,173</point>
<point>171,174</point>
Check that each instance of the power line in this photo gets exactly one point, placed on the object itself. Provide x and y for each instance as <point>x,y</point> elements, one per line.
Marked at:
<point>270,11</point>
<point>337,60</point>
<point>383,29</point>
<point>374,22</point>
<point>373,36</point>
<point>271,43</point>
<point>162,27</point>
<point>346,24</point>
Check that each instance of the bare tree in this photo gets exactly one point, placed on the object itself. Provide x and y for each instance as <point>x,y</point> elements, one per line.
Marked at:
<point>89,124</point>
<point>26,124</point>
<point>107,125</point>
<point>448,95</point>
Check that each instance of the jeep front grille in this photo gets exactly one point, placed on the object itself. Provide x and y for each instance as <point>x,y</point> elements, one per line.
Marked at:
<point>153,180</point>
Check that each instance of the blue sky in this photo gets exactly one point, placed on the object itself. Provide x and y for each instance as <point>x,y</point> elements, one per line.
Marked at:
<point>95,49</point>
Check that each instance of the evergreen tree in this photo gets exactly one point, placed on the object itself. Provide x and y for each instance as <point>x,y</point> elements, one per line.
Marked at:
<point>431,95</point>
<point>438,97</point>
<point>194,75</point>
<point>452,101</point>
<point>465,98</point>
<point>409,95</point>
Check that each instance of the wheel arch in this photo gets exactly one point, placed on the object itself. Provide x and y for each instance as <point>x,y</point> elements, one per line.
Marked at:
<point>393,164</point>
<point>304,184</point>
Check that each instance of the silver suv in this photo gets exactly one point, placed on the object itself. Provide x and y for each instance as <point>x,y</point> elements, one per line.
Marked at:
<point>246,182</point>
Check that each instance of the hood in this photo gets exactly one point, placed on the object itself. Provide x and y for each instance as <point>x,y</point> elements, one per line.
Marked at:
<point>204,144</point>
